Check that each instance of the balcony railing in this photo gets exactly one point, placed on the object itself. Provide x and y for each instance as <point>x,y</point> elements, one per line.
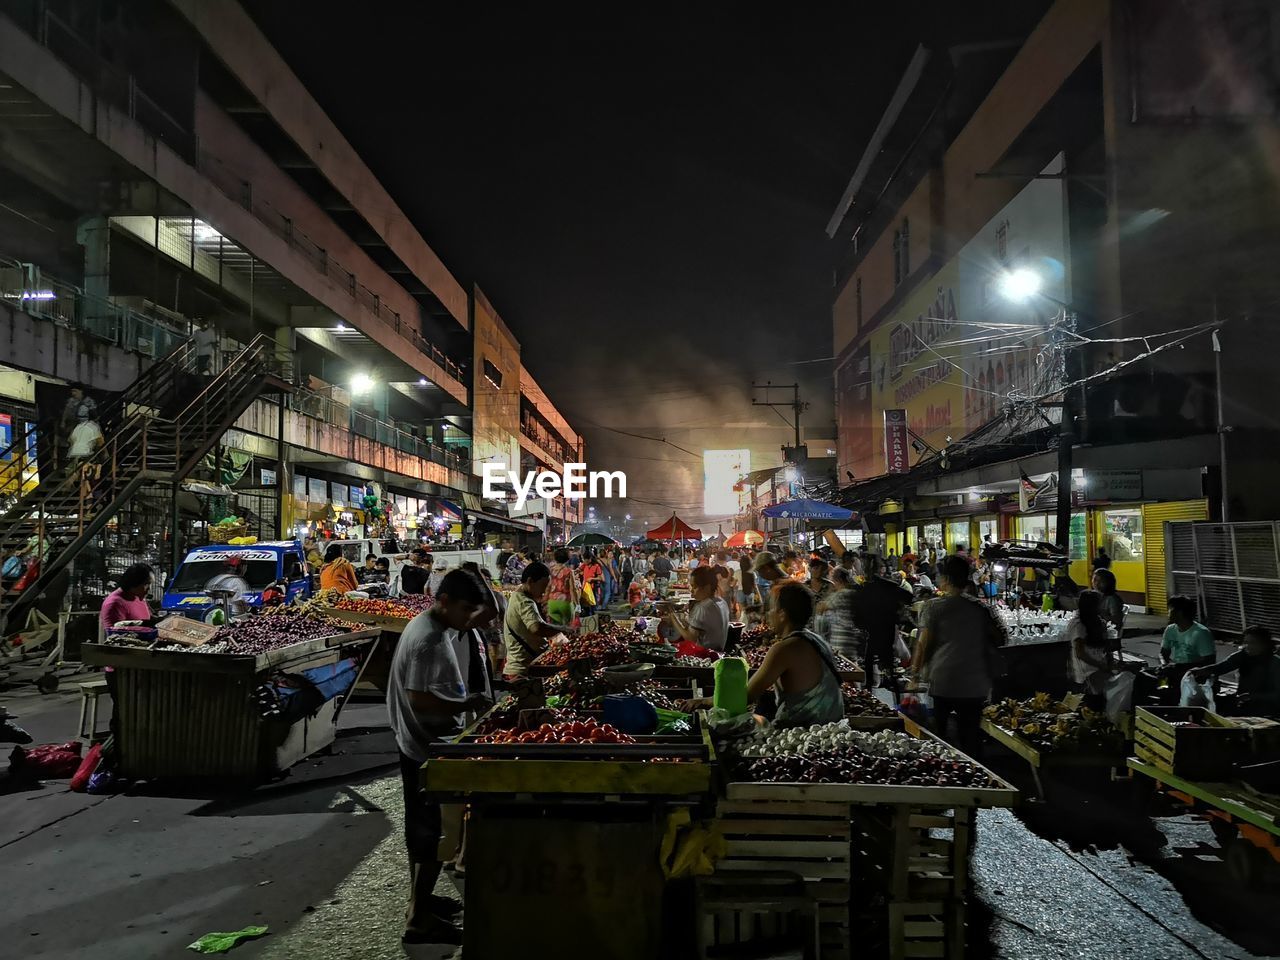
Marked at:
<point>70,306</point>
<point>544,438</point>
<point>242,192</point>
<point>319,407</point>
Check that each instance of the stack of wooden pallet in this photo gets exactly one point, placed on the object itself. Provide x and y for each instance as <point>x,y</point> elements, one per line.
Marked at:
<point>805,839</point>
<point>911,865</point>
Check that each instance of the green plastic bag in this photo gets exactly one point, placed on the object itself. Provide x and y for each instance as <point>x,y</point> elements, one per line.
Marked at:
<point>730,694</point>
<point>222,942</point>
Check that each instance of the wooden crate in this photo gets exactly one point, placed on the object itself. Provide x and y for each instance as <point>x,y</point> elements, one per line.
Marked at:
<point>1207,752</point>
<point>911,873</point>
<point>807,839</point>
<point>926,928</point>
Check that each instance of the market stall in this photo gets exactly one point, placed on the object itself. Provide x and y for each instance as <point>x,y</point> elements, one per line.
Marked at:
<point>1223,767</point>
<point>771,835</point>
<point>245,700</point>
<point>1053,735</point>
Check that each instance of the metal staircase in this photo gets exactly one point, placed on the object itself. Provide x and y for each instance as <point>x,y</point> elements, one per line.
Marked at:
<point>158,430</point>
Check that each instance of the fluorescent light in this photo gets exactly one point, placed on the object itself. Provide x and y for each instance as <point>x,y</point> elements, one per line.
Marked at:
<point>341,327</point>
<point>1020,284</point>
<point>422,381</point>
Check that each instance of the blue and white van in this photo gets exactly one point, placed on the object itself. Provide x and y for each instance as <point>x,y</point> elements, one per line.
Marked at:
<point>259,565</point>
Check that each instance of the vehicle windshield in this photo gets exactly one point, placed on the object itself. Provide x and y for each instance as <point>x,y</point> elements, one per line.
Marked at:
<point>196,573</point>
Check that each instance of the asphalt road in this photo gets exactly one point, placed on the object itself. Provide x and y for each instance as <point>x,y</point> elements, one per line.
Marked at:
<point>318,858</point>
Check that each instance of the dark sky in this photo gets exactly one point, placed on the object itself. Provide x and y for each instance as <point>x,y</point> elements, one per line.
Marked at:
<point>642,198</point>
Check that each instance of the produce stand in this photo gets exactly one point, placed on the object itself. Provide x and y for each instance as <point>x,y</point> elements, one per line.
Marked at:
<point>857,844</point>
<point>567,839</point>
<point>1245,821</point>
<point>186,714</point>
<point>1046,760</point>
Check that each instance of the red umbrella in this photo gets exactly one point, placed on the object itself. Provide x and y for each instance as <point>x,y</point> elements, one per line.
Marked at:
<point>745,538</point>
<point>674,529</point>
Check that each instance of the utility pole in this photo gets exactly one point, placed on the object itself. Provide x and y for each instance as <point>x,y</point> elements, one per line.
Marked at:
<point>1071,364</point>
<point>797,405</point>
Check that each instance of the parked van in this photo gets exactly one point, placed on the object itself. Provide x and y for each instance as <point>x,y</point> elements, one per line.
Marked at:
<point>259,565</point>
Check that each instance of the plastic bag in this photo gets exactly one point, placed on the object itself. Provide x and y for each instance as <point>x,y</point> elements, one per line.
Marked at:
<point>1196,694</point>
<point>53,761</point>
<point>1119,694</point>
<point>87,767</point>
<point>672,722</point>
<point>901,652</point>
<point>588,594</point>
<point>917,704</point>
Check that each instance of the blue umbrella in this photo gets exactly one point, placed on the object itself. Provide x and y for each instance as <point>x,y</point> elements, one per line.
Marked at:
<point>807,510</point>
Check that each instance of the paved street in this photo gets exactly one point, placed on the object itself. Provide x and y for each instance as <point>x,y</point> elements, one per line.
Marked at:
<point>318,858</point>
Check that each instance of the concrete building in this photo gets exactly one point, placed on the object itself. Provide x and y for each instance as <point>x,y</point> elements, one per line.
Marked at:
<point>1122,156</point>
<point>163,172</point>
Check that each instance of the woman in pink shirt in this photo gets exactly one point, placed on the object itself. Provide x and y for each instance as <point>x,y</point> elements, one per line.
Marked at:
<point>129,600</point>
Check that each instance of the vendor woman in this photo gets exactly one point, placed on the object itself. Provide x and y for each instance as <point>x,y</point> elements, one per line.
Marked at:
<point>338,573</point>
<point>129,600</point>
<point>799,666</point>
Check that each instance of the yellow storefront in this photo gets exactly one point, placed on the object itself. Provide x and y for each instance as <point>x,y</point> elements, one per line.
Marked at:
<point>1132,535</point>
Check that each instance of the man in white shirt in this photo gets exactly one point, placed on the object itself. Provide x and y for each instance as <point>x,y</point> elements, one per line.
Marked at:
<point>427,700</point>
<point>85,439</point>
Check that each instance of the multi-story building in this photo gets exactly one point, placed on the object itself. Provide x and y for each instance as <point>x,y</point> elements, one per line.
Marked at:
<point>1079,208</point>
<point>182,226</point>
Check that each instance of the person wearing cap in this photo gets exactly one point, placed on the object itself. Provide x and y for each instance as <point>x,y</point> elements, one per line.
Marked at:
<point>768,575</point>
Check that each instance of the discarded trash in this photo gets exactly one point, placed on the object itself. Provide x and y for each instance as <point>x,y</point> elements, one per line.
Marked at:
<point>222,942</point>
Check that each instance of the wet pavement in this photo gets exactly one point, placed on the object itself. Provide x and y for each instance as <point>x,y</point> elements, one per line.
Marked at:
<point>318,858</point>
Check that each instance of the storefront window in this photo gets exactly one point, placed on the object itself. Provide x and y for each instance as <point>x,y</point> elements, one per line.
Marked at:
<point>987,531</point>
<point>930,537</point>
<point>958,535</point>
<point>1036,529</point>
<point>1122,534</point>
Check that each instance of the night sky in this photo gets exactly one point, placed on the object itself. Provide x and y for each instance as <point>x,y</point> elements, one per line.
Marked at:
<point>643,199</point>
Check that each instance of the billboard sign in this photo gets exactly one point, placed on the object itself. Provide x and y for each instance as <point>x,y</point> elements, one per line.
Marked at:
<point>721,472</point>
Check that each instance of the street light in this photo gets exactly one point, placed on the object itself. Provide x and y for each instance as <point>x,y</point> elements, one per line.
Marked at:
<point>1020,284</point>
<point>361,383</point>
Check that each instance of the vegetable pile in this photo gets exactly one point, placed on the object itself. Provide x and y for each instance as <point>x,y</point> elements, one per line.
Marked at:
<point>853,766</point>
<point>589,691</point>
<point>571,732</point>
<point>274,628</point>
<point>405,608</point>
<point>832,753</point>
<point>1050,725</point>
<point>606,649</point>
<point>862,703</point>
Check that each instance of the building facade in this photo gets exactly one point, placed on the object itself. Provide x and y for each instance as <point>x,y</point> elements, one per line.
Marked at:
<point>1113,163</point>
<point>170,189</point>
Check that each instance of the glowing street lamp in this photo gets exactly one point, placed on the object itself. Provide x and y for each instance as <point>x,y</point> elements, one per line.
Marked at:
<point>361,384</point>
<point>1020,284</point>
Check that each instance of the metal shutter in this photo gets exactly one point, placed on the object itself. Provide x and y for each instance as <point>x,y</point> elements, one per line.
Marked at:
<point>1154,518</point>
